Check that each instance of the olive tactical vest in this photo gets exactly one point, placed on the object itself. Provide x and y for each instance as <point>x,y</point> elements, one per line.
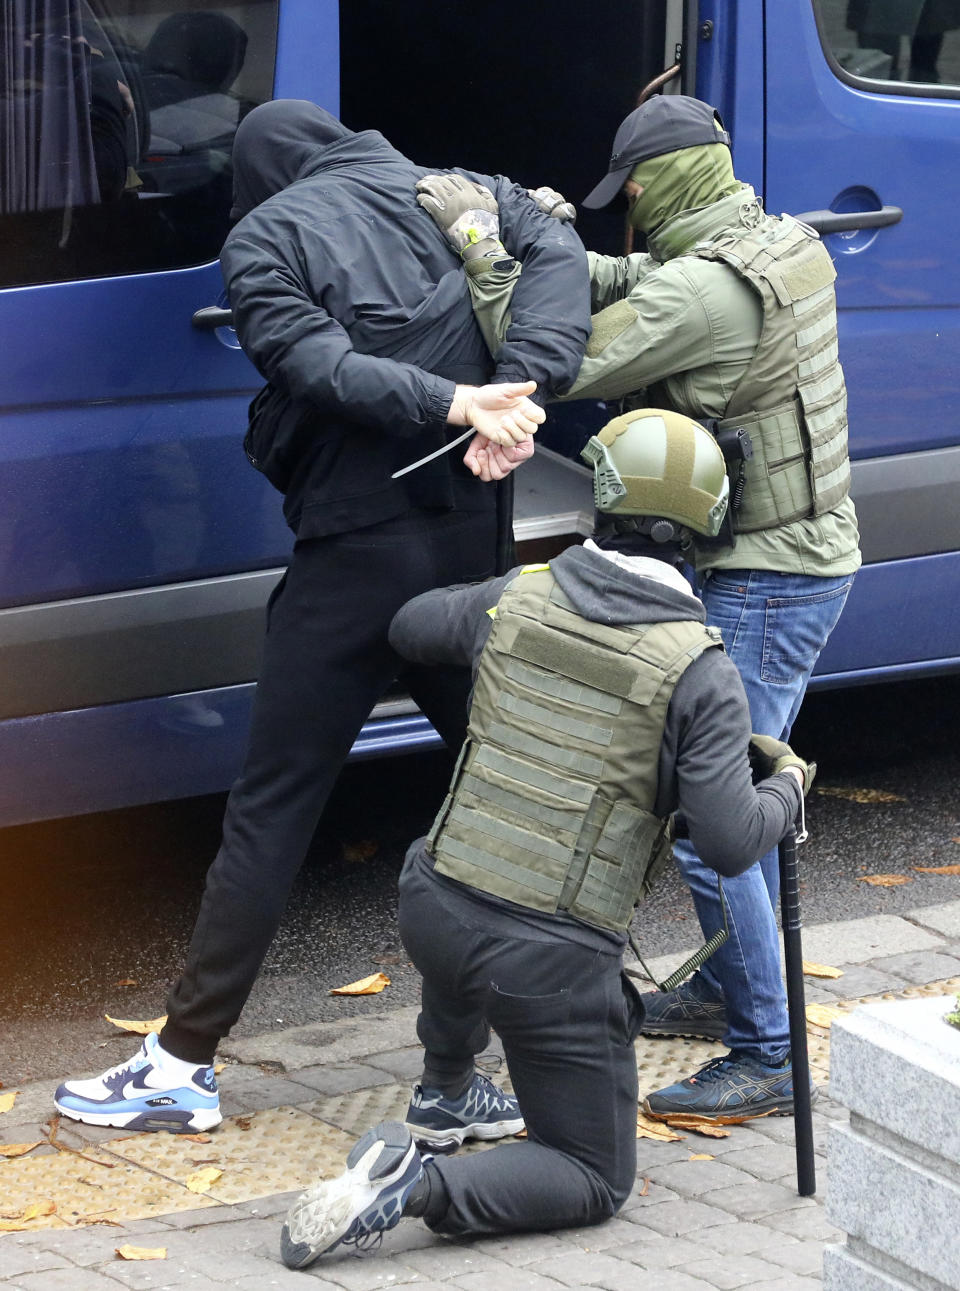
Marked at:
<point>551,804</point>
<point>792,399</point>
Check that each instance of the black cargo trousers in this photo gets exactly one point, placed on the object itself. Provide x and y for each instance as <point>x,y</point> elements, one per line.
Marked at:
<point>567,1018</point>
<point>326,662</point>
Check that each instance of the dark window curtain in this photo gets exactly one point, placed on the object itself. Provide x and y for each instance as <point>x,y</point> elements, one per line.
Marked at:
<point>46,142</point>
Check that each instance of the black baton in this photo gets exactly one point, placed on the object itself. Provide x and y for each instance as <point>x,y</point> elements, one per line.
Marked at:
<point>793,956</point>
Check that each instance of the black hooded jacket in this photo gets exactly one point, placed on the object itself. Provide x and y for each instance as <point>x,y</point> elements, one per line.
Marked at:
<point>349,301</point>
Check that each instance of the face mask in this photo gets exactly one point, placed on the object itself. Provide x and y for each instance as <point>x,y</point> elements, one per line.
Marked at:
<point>680,181</point>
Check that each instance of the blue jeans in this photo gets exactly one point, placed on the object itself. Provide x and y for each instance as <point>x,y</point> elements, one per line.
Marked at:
<point>774,627</point>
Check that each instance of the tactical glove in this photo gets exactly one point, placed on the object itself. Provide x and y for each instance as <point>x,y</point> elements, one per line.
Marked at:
<point>468,216</point>
<point>769,756</point>
<point>553,203</point>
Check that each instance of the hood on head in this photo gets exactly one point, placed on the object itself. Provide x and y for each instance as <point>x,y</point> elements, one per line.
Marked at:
<point>274,145</point>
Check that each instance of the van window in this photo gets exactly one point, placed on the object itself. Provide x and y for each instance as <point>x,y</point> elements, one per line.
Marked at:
<point>912,42</point>
<point>117,120</point>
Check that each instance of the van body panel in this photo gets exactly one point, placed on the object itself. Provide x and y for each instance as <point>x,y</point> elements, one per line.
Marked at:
<point>138,546</point>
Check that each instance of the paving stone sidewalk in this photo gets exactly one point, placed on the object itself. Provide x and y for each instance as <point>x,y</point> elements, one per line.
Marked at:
<point>705,1215</point>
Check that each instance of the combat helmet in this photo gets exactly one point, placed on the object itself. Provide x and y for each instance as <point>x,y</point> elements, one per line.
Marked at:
<point>663,470</point>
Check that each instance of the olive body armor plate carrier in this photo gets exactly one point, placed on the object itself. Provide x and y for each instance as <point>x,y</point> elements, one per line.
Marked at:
<point>792,398</point>
<point>551,804</point>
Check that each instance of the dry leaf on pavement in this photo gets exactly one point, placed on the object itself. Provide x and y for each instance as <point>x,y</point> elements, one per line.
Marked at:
<point>820,970</point>
<point>647,1129</point>
<point>372,985</point>
<point>702,1156</point>
<point>18,1149</point>
<point>862,795</point>
<point>938,869</point>
<point>201,1180</point>
<point>698,1125</point>
<point>127,981</point>
<point>822,1015</point>
<point>141,1252</point>
<point>884,880</point>
<point>7,1100</point>
<point>138,1028</point>
<point>197,1138</point>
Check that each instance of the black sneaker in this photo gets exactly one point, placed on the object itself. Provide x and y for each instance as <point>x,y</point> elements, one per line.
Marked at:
<point>361,1205</point>
<point>726,1091</point>
<point>683,1012</point>
<point>483,1111</point>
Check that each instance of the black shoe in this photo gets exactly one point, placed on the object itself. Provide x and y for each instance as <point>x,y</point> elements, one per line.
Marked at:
<point>727,1091</point>
<point>683,1012</point>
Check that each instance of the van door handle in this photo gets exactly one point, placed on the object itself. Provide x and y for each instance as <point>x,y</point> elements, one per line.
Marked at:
<point>844,221</point>
<point>211,317</point>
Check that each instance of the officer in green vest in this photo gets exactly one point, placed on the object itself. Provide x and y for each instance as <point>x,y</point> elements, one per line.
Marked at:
<point>602,703</point>
<point>730,316</point>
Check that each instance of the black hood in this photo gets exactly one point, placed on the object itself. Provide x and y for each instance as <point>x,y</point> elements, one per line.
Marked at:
<point>276,144</point>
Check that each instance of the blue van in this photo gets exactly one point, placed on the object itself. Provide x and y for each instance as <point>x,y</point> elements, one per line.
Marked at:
<point>138,547</point>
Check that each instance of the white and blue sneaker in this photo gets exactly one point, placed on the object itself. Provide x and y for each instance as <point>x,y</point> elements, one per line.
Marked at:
<point>483,1111</point>
<point>152,1091</point>
<point>361,1205</point>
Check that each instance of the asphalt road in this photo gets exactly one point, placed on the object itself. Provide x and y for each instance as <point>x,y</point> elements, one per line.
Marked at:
<point>96,912</point>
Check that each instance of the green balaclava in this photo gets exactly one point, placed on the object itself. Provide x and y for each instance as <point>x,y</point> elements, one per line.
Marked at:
<point>680,181</point>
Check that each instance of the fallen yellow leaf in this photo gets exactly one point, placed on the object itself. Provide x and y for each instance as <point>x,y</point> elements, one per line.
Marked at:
<point>128,981</point>
<point>862,795</point>
<point>141,1252</point>
<point>372,985</point>
<point>702,1156</point>
<point>884,880</point>
<point>821,970</point>
<point>647,1129</point>
<point>38,1210</point>
<point>138,1028</point>
<point>698,1125</point>
<point>821,1015</point>
<point>938,869</point>
<point>218,1067</point>
<point>197,1138</point>
<point>201,1180</point>
<point>8,1100</point>
<point>18,1149</point>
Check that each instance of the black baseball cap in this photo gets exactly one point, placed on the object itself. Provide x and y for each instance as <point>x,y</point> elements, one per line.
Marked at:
<point>665,123</point>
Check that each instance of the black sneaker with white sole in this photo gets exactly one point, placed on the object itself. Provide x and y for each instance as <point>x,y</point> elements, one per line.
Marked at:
<point>483,1111</point>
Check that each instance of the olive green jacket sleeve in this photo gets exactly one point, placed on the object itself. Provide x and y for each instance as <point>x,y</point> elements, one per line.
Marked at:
<point>614,277</point>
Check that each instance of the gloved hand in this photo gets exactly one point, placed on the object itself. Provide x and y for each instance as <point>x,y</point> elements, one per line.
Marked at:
<point>553,203</point>
<point>769,756</point>
<point>466,213</point>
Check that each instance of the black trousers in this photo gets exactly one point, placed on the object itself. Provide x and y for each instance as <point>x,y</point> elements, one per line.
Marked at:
<point>326,662</point>
<point>567,1018</point>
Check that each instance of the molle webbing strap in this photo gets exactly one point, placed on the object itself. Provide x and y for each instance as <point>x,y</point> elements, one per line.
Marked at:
<point>514,770</point>
<point>490,865</point>
<point>562,723</point>
<point>521,742</point>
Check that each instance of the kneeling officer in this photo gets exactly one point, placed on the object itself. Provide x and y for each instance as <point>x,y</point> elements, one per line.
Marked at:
<point>602,703</point>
